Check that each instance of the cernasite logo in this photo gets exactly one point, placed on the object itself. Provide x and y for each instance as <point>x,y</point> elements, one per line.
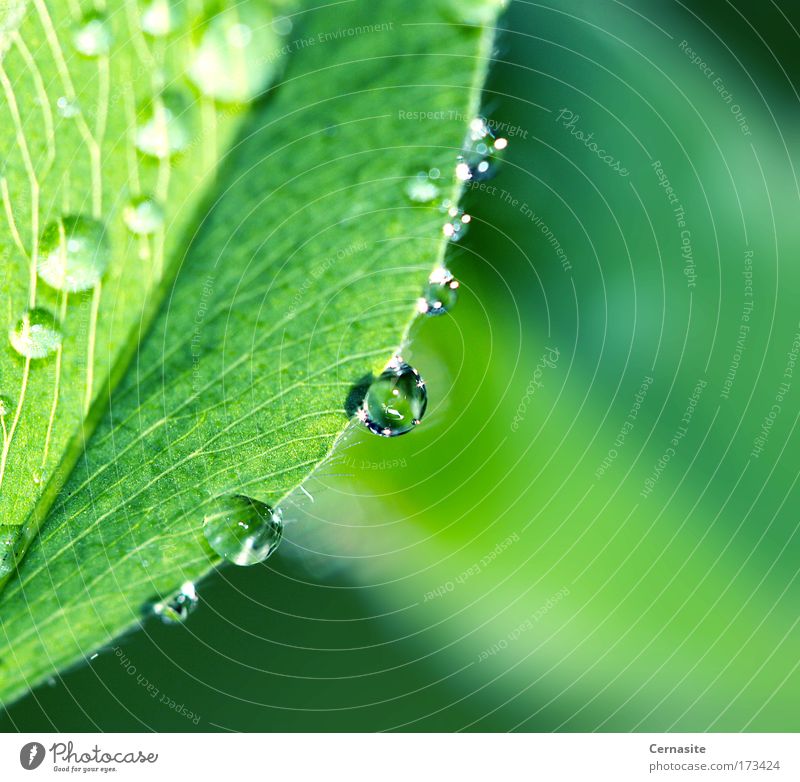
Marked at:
<point>31,755</point>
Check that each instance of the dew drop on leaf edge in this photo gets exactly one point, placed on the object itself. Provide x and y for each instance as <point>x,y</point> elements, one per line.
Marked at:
<point>481,152</point>
<point>456,224</point>
<point>36,334</point>
<point>73,253</point>
<point>177,607</point>
<point>440,293</point>
<point>395,402</point>
<point>242,530</point>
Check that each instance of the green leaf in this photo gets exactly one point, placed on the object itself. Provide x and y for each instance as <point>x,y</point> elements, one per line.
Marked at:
<point>68,138</point>
<point>301,283</point>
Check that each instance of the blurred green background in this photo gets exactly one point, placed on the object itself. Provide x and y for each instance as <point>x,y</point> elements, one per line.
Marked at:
<point>595,526</point>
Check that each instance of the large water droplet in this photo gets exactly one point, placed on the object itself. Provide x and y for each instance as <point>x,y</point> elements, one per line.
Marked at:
<point>481,152</point>
<point>457,222</point>
<point>143,215</point>
<point>161,17</point>
<point>73,253</point>
<point>36,334</point>
<point>440,294</point>
<point>237,54</point>
<point>396,400</point>
<point>163,131</point>
<point>242,530</point>
<point>424,187</point>
<point>177,607</point>
<point>478,12</point>
<point>92,35</point>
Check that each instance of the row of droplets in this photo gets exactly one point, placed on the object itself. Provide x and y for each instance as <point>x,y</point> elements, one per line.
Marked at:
<point>245,531</point>
<point>235,56</point>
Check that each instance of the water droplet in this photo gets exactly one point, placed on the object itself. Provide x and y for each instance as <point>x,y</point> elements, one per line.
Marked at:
<point>479,12</point>
<point>67,107</point>
<point>9,544</point>
<point>6,406</point>
<point>92,35</point>
<point>457,222</point>
<point>36,334</point>
<point>161,17</point>
<point>423,188</point>
<point>163,132</point>
<point>396,400</point>
<point>237,54</point>
<point>242,530</point>
<point>481,152</point>
<point>143,215</point>
<point>282,25</point>
<point>177,607</point>
<point>73,253</point>
<point>440,293</point>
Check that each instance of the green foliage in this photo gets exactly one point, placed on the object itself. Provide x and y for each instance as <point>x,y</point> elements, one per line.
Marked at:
<point>299,284</point>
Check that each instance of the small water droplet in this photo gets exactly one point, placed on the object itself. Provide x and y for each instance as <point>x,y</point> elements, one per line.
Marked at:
<point>92,35</point>
<point>478,12</point>
<point>176,608</point>
<point>38,477</point>
<point>237,54</point>
<point>282,25</point>
<point>73,253</point>
<point>481,152</point>
<point>457,222</point>
<point>163,132</point>
<point>6,406</point>
<point>242,530</point>
<point>67,107</point>
<point>396,400</point>
<point>440,294</point>
<point>143,215</point>
<point>423,188</point>
<point>161,17</point>
<point>36,334</point>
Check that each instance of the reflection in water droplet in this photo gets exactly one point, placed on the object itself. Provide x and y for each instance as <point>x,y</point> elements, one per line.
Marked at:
<point>163,131</point>
<point>177,607</point>
<point>36,334</point>
<point>92,35</point>
<point>161,17</point>
<point>143,215</point>
<point>238,54</point>
<point>395,402</point>
<point>67,107</point>
<point>457,222</point>
<point>479,12</point>
<point>242,530</point>
<point>73,253</point>
<point>423,188</point>
<point>440,293</point>
<point>481,152</point>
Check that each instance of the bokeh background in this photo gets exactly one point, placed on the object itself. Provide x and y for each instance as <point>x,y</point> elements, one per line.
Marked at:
<point>595,526</point>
